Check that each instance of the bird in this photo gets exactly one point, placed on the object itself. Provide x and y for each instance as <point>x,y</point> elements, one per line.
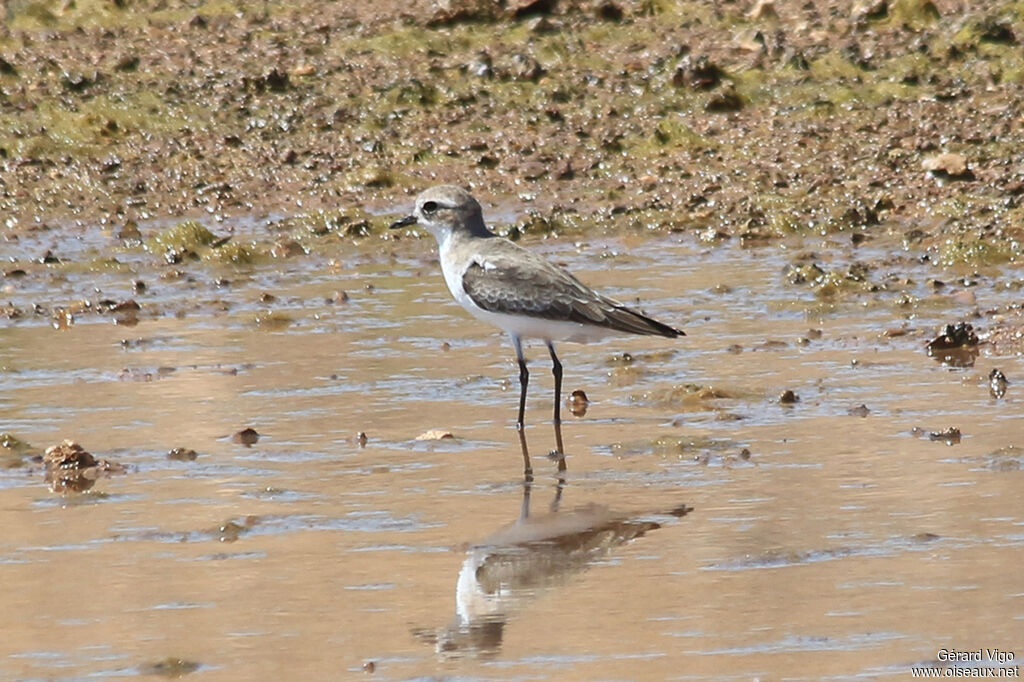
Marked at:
<point>517,290</point>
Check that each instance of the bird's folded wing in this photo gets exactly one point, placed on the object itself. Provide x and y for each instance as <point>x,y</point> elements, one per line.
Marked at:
<point>538,289</point>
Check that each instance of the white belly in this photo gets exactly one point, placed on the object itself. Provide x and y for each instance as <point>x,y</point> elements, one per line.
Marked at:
<point>537,327</point>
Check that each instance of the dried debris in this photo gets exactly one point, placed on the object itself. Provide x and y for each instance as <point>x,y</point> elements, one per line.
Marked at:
<point>435,434</point>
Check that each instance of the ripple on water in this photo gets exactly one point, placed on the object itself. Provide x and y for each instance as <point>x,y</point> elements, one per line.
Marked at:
<point>852,642</point>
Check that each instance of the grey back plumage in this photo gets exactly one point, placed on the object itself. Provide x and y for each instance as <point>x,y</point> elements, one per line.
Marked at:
<point>512,280</point>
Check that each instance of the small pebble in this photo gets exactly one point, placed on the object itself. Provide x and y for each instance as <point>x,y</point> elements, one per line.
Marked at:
<point>997,383</point>
<point>247,436</point>
<point>788,397</point>
<point>182,454</point>
<point>578,403</point>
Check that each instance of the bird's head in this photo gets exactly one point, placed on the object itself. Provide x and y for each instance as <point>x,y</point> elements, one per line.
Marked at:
<point>444,210</point>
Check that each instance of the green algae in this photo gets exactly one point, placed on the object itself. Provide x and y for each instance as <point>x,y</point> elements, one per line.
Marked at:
<point>913,14</point>
<point>188,234</point>
<point>319,230</point>
<point>15,452</point>
<point>237,253</point>
<point>191,239</point>
<point>978,251</point>
<point>92,126</point>
<point>832,284</point>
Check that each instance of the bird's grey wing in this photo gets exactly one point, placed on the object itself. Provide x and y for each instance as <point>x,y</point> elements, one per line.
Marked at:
<point>536,289</point>
<point>529,285</point>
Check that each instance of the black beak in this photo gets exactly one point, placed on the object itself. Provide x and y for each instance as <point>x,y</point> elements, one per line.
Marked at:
<point>407,220</point>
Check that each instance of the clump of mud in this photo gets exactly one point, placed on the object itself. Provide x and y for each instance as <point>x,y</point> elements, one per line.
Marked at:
<point>69,468</point>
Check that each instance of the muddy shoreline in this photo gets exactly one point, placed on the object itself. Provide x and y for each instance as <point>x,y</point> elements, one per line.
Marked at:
<point>727,120</point>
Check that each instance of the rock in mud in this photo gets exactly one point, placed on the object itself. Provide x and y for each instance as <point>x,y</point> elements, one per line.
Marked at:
<point>338,297</point>
<point>231,530</point>
<point>698,73</point>
<point>997,383</point>
<point>950,436</point>
<point>247,437</point>
<point>956,345</point>
<point>788,397</point>
<point>126,307</point>
<point>578,403</point>
<point>948,166</point>
<point>69,468</point>
<point>182,454</point>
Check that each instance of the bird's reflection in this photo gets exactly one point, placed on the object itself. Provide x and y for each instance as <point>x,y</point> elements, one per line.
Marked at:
<point>558,454</point>
<point>514,565</point>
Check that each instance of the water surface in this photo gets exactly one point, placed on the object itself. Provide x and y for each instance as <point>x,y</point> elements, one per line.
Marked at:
<point>691,537</point>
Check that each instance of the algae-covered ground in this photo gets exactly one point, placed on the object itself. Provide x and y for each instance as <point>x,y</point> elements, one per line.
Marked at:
<point>747,120</point>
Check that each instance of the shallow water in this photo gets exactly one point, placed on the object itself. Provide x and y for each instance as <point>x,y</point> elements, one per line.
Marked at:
<point>820,543</point>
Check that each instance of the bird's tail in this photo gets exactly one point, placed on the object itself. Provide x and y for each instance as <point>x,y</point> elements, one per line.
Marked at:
<point>626,319</point>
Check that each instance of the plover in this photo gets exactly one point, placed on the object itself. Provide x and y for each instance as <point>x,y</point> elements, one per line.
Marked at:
<point>517,290</point>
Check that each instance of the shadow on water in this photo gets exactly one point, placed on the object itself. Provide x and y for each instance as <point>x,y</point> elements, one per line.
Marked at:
<point>504,573</point>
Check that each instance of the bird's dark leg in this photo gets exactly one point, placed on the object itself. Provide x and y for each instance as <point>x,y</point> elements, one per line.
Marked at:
<point>556,369</point>
<point>524,379</point>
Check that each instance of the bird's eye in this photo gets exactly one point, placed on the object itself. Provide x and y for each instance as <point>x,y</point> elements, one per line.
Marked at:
<point>429,206</point>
